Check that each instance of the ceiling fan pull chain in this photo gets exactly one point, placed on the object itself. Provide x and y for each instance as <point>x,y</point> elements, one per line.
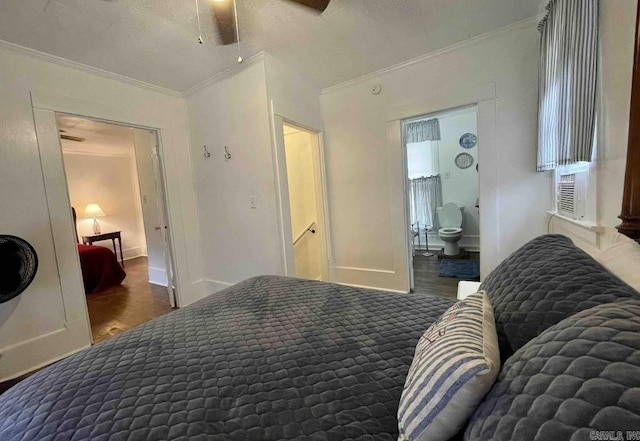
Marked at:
<point>199,28</point>
<point>235,14</point>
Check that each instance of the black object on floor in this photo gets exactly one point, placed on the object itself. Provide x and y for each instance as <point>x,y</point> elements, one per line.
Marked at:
<point>461,269</point>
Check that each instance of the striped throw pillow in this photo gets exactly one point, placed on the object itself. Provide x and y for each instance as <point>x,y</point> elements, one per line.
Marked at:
<point>455,364</point>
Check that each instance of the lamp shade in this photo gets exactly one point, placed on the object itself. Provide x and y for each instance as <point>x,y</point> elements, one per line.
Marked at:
<point>93,210</point>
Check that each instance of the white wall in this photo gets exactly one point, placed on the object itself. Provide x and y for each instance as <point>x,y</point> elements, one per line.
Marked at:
<point>294,97</point>
<point>616,64</point>
<point>109,181</point>
<point>234,110</point>
<point>360,168</point>
<point>32,326</point>
<point>238,241</point>
<point>461,187</point>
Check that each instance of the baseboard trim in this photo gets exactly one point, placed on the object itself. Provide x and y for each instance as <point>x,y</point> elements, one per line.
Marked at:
<point>36,353</point>
<point>371,278</point>
<point>468,242</point>
<point>130,253</point>
<point>158,276</point>
<point>213,286</point>
<point>375,288</point>
<point>368,270</point>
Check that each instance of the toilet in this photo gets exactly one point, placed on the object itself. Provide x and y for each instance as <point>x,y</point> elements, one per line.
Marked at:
<point>450,218</point>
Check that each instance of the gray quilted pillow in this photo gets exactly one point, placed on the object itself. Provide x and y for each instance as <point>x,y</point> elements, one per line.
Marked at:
<point>542,283</point>
<point>582,374</point>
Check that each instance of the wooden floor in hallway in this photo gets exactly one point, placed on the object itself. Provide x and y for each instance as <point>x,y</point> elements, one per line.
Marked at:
<point>426,279</point>
<point>126,306</point>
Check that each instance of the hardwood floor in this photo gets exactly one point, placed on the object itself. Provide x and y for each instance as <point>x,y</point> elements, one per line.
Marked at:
<point>123,307</point>
<point>426,279</point>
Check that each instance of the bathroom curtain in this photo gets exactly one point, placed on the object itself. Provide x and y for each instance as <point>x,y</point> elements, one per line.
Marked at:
<point>426,195</point>
<point>426,192</point>
<point>419,131</point>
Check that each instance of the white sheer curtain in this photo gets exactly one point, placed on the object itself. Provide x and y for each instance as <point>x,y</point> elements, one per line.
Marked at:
<point>426,196</point>
<point>421,139</point>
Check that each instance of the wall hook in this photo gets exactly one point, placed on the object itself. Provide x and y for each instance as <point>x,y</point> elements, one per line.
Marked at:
<point>227,155</point>
<point>207,155</point>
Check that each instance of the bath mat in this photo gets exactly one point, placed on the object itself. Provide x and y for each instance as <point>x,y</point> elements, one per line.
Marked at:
<point>460,268</point>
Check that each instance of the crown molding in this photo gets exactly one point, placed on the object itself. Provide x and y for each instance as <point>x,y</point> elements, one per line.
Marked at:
<point>68,151</point>
<point>54,59</point>
<point>226,73</point>
<point>522,24</point>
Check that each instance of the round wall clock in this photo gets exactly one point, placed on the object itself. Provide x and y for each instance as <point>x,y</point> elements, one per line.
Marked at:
<point>468,140</point>
<point>464,160</point>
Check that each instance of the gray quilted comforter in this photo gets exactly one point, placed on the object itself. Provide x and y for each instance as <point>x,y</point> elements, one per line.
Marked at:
<point>270,358</point>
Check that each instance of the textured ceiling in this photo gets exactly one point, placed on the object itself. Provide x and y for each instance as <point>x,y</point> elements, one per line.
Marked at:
<point>99,137</point>
<point>156,40</point>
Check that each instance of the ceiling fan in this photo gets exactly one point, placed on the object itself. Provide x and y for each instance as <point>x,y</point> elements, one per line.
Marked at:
<point>227,22</point>
<point>63,135</point>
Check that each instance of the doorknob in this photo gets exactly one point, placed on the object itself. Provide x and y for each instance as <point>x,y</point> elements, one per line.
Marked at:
<point>157,228</point>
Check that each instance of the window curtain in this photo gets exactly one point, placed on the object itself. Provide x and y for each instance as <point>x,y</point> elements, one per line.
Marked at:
<point>568,74</point>
<point>426,195</point>
<point>426,192</point>
<point>419,131</point>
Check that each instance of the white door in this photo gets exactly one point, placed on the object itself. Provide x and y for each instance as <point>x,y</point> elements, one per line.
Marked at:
<point>153,210</point>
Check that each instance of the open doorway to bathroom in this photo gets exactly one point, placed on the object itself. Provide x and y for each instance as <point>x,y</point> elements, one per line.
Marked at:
<point>442,199</point>
<point>116,190</point>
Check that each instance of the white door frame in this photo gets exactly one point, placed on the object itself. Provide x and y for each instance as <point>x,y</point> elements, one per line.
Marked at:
<point>45,106</point>
<point>282,195</point>
<point>487,183</point>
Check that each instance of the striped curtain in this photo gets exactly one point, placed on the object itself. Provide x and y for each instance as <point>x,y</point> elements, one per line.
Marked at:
<point>568,73</point>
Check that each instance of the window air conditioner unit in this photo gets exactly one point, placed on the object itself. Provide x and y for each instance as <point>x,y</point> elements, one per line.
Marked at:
<point>572,194</point>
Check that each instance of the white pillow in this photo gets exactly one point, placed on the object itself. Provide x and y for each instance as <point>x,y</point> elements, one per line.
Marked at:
<point>623,259</point>
<point>456,362</point>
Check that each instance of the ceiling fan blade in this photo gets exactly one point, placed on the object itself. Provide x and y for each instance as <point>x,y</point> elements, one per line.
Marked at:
<point>72,138</point>
<point>318,5</point>
<point>225,21</point>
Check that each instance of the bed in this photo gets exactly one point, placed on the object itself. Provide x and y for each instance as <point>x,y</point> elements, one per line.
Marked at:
<point>270,358</point>
<point>100,267</point>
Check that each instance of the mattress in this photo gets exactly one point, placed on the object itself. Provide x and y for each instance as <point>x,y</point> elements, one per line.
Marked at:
<point>270,358</point>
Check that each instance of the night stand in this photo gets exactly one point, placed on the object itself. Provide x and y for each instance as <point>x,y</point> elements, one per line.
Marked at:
<point>112,236</point>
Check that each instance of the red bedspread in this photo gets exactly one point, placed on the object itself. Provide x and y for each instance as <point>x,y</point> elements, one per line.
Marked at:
<point>100,268</point>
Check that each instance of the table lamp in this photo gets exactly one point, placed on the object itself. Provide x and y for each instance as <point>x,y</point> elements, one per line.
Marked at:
<point>94,211</point>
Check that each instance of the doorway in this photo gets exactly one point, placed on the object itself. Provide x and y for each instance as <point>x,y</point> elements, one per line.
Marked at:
<point>116,188</point>
<point>442,199</point>
<point>303,198</point>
